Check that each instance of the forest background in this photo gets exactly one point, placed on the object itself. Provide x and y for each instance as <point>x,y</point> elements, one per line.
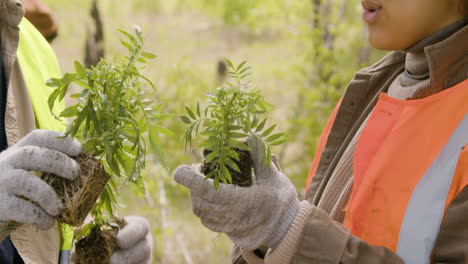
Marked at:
<point>302,53</point>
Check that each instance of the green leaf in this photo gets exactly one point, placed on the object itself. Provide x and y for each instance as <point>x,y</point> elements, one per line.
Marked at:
<point>244,70</point>
<point>70,111</point>
<point>241,65</point>
<point>208,144</point>
<point>268,131</point>
<point>127,45</point>
<point>190,112</point>
<point>148,81</point>
<point>62,93</point>
<point>112,162</point>
<point>226,175</point>
<point>130,37</point>
<point>211,174</point>
<point>106,197</point>
<point>77,122</point>
<point>140,59</point>
<point>233,165</point>
<point>238,135</point>
<point>229,63</point>
<point>198,109</point>
<point>80,69</point>
<point>216,181</point>
<point>245,75</point>
<point>274,137</point>
<point>234,128</point>
<point>83,231</point>
<point>233,154</point>
<point>238,145</point>
<point>279,142</point>
<point>254,122</point>
<point>149,55</point>
<point>214,154</point>
<point>53,82</point>
<point>210,133</point>
<point>261,125</point>
<point>186,120</point>
<point>51,101</point>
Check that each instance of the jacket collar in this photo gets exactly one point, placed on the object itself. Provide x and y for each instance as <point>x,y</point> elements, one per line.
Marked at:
<point>447,59</point>
<point>11,12</point>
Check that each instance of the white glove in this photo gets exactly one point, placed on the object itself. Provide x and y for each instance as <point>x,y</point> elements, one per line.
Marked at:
<point>254,216</point>
<point>24,198</point>
<point>134,241</point>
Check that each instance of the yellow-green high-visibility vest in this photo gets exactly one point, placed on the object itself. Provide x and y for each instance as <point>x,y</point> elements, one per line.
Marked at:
<point>38,64</point>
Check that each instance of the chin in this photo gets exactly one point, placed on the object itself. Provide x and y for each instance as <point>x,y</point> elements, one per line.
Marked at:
<point>385,40</point>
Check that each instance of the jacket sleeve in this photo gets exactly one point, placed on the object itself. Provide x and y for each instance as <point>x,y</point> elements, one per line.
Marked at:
<point>325,241</point>
<point>452,243</point>
<point>321,240</point>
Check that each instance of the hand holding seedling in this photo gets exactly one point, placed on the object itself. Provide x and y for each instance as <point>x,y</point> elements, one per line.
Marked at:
<point>235,110</point>
<point>134,242</point>
<point>254,216</point>
<point>25,198</point>
<point>115,116</point>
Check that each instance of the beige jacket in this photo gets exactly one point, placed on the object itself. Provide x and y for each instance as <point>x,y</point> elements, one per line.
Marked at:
<point>317,238</point>
<point>34,246</point>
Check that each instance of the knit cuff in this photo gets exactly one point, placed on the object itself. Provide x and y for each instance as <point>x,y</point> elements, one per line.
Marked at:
<point>285,222</point>
<point>290,242</point>
<point>288,245</point>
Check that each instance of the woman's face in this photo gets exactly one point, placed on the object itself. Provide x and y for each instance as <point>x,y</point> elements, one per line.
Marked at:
<point>398,24</point>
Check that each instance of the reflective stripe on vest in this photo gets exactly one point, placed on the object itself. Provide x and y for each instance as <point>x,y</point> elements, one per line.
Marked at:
<point>426,207</point>
<point>406,171</point>
<point>38,64</point>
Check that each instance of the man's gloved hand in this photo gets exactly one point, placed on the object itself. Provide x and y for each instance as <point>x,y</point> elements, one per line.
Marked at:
<point>254,216</point>
<point>134,241</point>
<point>24,198</point>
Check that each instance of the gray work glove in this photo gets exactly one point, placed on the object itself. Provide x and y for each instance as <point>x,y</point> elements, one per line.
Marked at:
<point>134,241</point>
<point>254,216</point>
<point>24,198</point>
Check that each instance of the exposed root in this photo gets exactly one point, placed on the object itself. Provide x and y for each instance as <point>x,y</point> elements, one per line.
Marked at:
<point>80,195</point>
<point>99,245</point>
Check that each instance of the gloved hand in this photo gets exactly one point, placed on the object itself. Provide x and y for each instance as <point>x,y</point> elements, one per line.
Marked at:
<point>134,241</point>
<point>254,216</point>
<point>24,198</point>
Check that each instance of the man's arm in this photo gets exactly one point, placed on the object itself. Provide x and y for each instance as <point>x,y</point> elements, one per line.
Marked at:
<point>324,241</point>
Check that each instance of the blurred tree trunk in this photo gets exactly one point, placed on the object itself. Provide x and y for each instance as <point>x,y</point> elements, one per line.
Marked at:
<point>316,4</point>
<point>94,48</point>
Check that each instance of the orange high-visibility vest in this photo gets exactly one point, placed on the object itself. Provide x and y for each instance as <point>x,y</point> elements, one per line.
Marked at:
<point>409,164</point>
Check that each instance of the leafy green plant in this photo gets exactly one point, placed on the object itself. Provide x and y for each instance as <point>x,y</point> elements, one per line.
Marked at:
<point>115,115</point>
<point>235,110</point>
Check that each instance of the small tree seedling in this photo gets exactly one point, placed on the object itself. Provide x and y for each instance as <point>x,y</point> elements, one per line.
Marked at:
<point>234,111</point>
<point>114,116</point>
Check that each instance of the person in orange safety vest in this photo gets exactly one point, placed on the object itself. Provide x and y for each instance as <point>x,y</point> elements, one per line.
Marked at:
<point>389,181</point>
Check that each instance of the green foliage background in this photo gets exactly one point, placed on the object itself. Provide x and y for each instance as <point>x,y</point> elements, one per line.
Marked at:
<point>302,53</point>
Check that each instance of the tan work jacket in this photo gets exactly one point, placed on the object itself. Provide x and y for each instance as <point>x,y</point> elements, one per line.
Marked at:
<point>35,246</point>
<point>326,241</point>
